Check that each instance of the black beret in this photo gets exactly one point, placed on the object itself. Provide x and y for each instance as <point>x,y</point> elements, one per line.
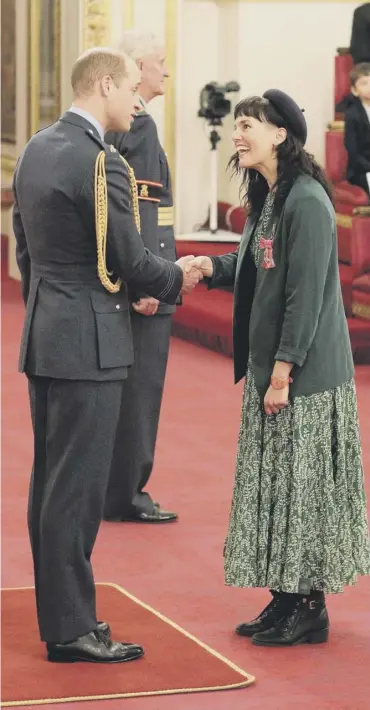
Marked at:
<point>290,112</point>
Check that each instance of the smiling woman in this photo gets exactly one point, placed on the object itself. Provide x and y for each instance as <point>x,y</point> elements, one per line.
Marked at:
<point>299,468</point>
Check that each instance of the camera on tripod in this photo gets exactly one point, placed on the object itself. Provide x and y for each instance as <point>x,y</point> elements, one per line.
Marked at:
<point>213,104</point>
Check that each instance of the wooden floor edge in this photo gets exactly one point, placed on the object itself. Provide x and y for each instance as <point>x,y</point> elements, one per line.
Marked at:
<point>118,696</point>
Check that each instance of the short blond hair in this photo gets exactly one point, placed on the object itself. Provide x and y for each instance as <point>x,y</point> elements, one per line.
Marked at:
<point>96,63</point>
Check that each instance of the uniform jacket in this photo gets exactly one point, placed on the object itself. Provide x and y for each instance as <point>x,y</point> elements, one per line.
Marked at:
<point>360,38</point>
<point>293,312</point>
<point>74,328</point>
<point>357,143</point>
<point>142,149</point>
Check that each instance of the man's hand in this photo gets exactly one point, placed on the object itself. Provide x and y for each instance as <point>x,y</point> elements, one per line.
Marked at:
<point>146,306</point>
<point>204,264</point>
<point>192,275</point>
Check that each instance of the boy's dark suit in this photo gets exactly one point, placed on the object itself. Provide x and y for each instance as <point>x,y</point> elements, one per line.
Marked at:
<point>357,143</point>
<point>76,348</point>
<point>142,396</point>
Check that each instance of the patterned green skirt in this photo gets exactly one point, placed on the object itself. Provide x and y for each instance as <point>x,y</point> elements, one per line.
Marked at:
<point>298,517</point>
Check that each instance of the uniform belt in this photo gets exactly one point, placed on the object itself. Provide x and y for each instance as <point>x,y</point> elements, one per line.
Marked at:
<point>166,216</point>
<point>80,273</point>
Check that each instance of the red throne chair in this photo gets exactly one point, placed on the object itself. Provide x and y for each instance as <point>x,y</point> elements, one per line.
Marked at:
<point>342,67</point>
<point>352,210</point>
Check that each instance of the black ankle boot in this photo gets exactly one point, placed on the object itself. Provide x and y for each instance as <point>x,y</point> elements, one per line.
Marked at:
<point>307,622</point>
<point>278,607</point>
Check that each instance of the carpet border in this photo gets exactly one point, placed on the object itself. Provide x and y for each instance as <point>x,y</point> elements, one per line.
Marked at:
<point>249,679</point>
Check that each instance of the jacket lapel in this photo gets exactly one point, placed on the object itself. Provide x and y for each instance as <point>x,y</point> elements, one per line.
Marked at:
<point>244,242</point>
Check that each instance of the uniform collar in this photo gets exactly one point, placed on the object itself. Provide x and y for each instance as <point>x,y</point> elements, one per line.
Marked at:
<point>91,119</point>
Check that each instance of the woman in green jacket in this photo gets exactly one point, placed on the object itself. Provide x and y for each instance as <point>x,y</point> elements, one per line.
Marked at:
<point>298,523</point>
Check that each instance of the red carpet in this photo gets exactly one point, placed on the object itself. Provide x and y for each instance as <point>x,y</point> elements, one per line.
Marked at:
<point>173,662</point>
<point>178,569</point>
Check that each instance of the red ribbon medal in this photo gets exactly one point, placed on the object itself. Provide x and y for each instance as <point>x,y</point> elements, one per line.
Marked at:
<point>268,257</point>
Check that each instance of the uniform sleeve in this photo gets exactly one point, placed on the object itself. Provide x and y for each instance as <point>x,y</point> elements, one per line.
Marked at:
<point>126,254</point>
<point>21,252</point>
<point>310,242</point>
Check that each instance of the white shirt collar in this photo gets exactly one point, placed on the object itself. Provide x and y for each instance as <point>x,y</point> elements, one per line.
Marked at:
<point>91,119</point>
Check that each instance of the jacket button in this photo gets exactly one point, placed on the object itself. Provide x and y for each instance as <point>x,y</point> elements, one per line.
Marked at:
<point>162,245</point>
<point>118,307</point>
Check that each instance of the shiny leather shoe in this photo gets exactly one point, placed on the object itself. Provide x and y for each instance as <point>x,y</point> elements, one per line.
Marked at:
<point>156,516</point>
<point>104,629</point>
<point>270,615</point>
<point>308,622</point>
<point>94,647</point>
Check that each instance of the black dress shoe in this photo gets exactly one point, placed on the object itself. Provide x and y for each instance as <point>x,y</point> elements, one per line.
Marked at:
<point>271,614</point>
<point>104,629</point>
<point>308,622</point>
<point>157,515</point>
<point>94,647</point>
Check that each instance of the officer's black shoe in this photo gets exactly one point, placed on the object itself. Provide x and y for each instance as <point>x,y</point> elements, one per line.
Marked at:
<point>308,622</point>
<point>94,647</point>
<point>271,614</point>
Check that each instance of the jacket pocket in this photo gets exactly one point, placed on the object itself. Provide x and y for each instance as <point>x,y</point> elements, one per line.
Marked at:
<point>113,328</point>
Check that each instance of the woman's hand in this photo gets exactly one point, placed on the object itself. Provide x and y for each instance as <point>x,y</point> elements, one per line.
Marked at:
<point>204,264</point>
<point>275,400</point>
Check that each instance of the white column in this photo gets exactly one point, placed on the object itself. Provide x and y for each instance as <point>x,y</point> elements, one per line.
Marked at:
<point>198,64</point>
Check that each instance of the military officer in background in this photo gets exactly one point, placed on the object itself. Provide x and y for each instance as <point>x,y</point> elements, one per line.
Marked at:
<point>151,319</point>
<point>78,245</point>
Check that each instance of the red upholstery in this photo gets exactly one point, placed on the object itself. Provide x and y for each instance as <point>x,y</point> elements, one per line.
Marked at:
<point>236,219</point>
<point>336,163</point>
<point>204,248</point>
<point>206,318</point>
<point>342,68</point>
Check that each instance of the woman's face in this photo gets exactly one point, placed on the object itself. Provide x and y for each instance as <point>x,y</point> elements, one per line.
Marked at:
<point>255,141</point>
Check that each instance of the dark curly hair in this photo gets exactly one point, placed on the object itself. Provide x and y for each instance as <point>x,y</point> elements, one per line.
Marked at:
<point>293,160</point>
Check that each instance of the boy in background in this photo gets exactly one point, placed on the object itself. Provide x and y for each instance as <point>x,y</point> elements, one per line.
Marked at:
<point>357,127</point>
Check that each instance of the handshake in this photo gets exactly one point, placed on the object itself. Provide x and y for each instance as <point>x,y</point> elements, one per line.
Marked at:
<point>194,269</point>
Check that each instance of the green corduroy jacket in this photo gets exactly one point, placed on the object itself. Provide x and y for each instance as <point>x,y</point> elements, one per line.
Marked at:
<point>294,311</point>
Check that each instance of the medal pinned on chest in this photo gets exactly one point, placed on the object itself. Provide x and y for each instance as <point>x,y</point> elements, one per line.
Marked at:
<point>266,243</point>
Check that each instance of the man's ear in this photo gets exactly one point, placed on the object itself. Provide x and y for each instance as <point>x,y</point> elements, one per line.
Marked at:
<point>354,91</point>
<point>105,83</point>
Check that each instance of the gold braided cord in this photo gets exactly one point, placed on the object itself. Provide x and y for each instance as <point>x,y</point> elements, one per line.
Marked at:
<point>101,218</point>
<point>134,193</point>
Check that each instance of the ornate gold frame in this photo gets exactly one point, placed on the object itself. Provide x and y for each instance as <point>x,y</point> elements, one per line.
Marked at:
<point>170,96</point>
<point>128,13</point>
<point>34,63</point>
<point>96,23</point>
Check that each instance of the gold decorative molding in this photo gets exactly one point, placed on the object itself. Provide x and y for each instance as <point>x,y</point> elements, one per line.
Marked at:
<point>362,211</point>
<point>361,310</point>
<point>34,10</point>
<point>337,126</point>
<point>96,23</point>
<point>170,96</point>
<point>34,67</point>
<point>128,13</point>
<point>344,220</point>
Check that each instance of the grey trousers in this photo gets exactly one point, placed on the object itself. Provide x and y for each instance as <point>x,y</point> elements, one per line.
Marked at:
<point>74,426</point>
<point>139,418</point>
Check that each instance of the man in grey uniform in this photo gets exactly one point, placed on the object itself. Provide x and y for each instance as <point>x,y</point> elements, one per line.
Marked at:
<point>74,200</point>
<point>151,320</point>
